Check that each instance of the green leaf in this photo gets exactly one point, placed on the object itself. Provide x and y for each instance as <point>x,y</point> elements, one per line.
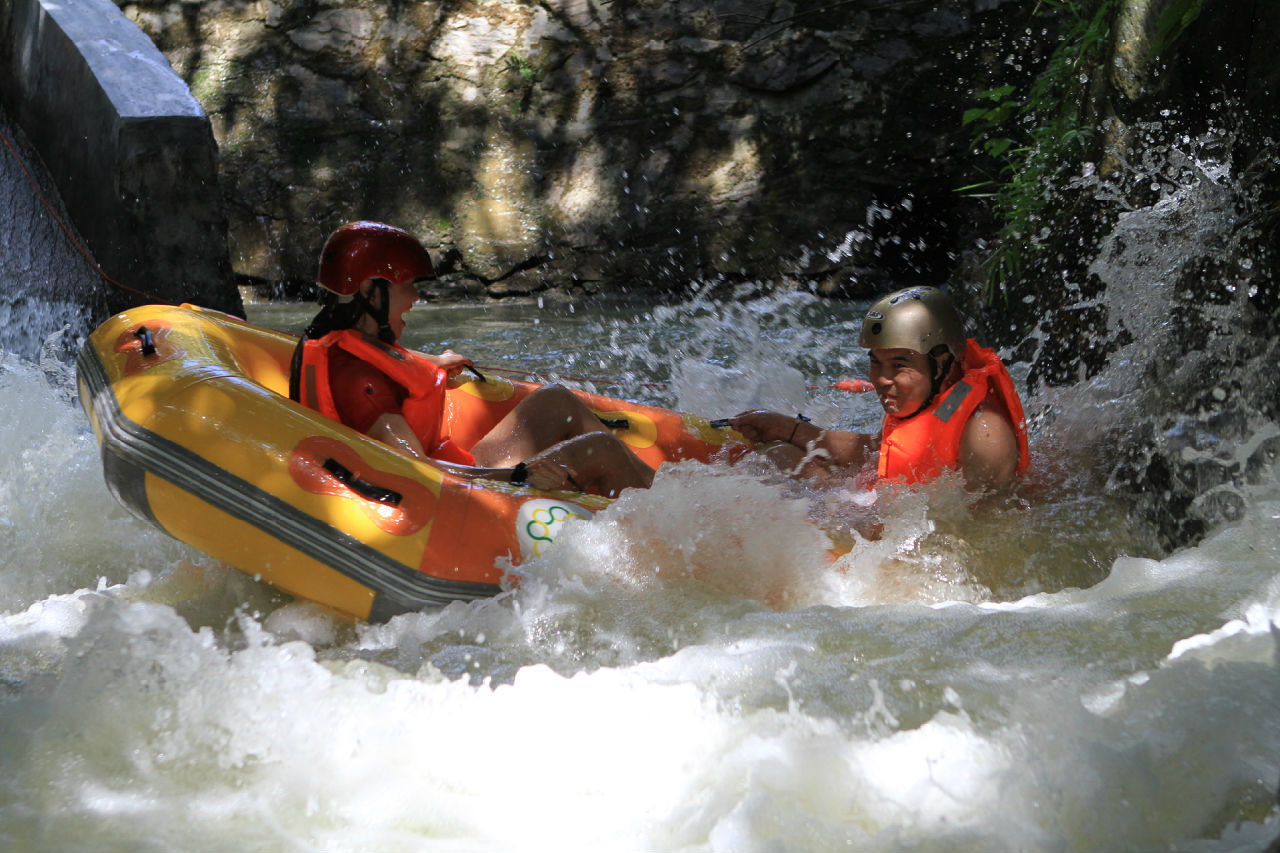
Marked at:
<point>997,94</point>
<point>1173,22</point>
<point>996,147</point>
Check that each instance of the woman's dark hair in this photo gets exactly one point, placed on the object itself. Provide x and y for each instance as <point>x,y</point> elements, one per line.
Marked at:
<point>335,314</point>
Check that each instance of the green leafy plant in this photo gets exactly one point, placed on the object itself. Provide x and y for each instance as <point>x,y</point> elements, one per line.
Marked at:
<point>1037,137</point>
<point>524,76</point>
<point>1173,22</point>
<point>518,65</point>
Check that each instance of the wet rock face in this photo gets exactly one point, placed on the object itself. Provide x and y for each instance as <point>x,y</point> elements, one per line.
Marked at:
<point>636,142</point>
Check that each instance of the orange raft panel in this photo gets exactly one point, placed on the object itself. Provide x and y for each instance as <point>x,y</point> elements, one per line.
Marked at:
<point>198,437</point>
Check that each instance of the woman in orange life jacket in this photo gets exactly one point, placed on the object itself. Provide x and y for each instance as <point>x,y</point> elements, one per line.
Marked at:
<point>948,404</point>
<point>350,367</point>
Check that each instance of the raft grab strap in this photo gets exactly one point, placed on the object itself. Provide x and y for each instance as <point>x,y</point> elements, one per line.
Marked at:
<point>148,343</point>
<point>363,488</point>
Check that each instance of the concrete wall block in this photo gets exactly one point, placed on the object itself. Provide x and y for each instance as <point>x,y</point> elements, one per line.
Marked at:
<point>130,150</point>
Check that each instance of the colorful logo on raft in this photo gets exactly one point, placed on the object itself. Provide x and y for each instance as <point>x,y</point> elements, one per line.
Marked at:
<point>539,521</point>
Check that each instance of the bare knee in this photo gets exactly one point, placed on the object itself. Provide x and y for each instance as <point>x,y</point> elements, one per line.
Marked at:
<point>592,454</point>
<point>560,408</point>
<point>548,394</point>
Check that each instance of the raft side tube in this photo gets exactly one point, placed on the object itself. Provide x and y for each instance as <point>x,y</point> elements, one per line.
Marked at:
<point>130,449</point>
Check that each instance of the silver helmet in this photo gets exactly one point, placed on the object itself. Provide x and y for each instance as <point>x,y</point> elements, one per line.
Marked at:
<point>917,318</point>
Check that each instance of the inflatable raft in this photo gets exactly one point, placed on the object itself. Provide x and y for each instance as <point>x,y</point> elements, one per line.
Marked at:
<point>199,438</point>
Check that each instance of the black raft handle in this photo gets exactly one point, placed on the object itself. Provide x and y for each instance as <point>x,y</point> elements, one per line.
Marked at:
<point>363,488</point>
<point>148,343</point>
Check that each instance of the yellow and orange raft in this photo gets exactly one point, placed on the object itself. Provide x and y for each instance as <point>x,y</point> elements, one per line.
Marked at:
<point>199,438</point>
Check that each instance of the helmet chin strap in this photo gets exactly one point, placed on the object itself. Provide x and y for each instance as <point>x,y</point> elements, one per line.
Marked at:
<point>379,309</point>
<point>938,375</point>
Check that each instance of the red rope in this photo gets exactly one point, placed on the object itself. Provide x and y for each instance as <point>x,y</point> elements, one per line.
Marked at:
<point>35,185</point>
<point>572,378</point>
<point>856,386</point>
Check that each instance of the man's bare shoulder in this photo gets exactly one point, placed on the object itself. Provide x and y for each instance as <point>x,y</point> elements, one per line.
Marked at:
<point>989,448</point>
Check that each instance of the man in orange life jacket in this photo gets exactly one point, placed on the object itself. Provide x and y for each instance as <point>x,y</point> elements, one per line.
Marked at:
<point>350,367</point>
<point>948,404</point>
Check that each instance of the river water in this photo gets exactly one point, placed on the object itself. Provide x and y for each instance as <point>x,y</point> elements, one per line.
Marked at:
<point>686,671</point>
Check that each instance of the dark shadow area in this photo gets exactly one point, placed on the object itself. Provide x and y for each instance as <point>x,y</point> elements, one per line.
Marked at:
<point>808,144</point>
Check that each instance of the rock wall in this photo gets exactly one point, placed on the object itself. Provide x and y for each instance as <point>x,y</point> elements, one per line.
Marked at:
<point>568,142</point>
<point>129,150</point>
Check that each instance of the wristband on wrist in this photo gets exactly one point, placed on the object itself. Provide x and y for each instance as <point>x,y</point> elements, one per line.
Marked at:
<point>799,420</point>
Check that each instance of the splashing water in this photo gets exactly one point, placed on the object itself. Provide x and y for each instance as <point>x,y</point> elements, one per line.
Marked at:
<point>722,662</point>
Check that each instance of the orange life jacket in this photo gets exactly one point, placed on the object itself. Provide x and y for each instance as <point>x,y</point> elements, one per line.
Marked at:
<point>425,383</point>
<point>924,445</point>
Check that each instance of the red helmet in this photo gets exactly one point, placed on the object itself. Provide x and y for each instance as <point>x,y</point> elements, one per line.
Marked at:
<point>359,251</point>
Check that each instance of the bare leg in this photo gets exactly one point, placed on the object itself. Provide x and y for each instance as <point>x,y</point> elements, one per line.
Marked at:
<point>596,461</point>
<point>545,418</point>
<point>562,443</point>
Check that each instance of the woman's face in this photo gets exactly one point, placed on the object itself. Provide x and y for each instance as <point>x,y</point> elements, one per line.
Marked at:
<point>402,295</point>
<point>902,380</point>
